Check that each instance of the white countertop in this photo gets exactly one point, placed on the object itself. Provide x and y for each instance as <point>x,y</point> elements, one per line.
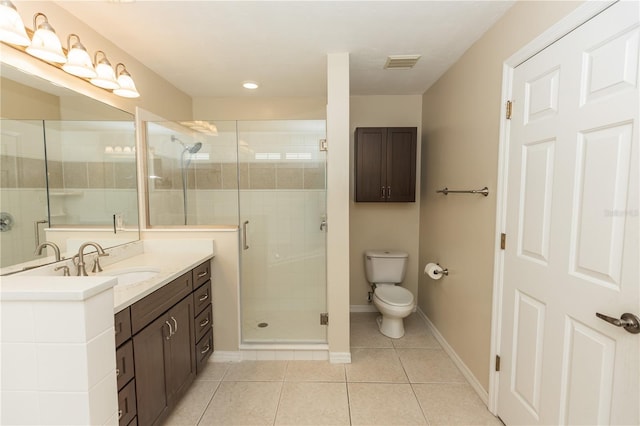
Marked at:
<point>35,288</point>
<point>171,266</point>
<point>170,257</point>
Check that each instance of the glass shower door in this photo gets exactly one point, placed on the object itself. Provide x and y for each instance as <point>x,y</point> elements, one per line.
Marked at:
<point>282,213</point>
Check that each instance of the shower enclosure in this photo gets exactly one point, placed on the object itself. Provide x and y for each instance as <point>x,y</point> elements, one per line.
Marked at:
<point>268,178</point>
<point>283,215</point>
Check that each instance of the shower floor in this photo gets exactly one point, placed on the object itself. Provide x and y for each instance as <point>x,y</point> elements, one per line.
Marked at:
<point>283,326</point>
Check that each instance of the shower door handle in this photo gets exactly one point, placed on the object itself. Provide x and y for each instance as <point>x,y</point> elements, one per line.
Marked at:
<point>245,246</point>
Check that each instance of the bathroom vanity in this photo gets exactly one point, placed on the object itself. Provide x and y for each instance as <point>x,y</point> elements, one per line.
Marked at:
<point>73,363</point>
<point>162,342</point>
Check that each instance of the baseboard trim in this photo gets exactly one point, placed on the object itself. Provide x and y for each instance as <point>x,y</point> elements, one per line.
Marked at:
<point>362,308</point>
<point>226,356</point>
<point>475,384</point>
<point>340,357</point>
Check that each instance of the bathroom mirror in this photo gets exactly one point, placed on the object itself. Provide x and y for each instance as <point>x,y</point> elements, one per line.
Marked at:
<point>67,171</point>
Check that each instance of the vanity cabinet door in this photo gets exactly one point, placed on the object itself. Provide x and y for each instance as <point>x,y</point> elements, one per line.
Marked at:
<point>152,369</point>
<point>182,361</point>
<point>122,325</point>
<point>164,362</point>
<point>201,274</point>
<point>202,298</point>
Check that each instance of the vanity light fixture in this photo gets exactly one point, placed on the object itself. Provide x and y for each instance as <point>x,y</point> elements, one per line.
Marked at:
<point>11,25</point>
<point>251,85</point>
<point>106,76</point>
<point>45,44</point>
<point>78,59</point>
<point>127,87</point>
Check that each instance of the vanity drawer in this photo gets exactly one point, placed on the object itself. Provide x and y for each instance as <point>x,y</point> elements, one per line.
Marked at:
<point>201,274</point>
<point>203,323</point>
<point>204,349</point>
<point>152,306</point>
<point>127,404</point>
<point>122,326</point>
<point>202,298</point>
<point>124,364</point>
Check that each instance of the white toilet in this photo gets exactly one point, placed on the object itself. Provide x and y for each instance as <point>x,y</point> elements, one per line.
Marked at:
<point>384,269</point>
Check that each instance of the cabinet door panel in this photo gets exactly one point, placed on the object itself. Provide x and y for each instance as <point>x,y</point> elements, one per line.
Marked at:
<point>370,169</point>
<point>124,364</point>
<point>401,164</point>
<point>151,363</point>
<point>182,369</point>
<point>127,404</point>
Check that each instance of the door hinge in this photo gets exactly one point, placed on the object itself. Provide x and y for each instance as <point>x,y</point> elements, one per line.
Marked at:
<point>497,362</point>
<point>324,318</point>
<point>503,241</point>
<point>509,109</point>
<point>323,145</point>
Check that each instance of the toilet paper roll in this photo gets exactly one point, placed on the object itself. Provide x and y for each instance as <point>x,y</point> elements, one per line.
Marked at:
<point>434,271</point>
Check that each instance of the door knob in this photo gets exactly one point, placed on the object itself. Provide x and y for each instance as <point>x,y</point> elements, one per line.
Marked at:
<point>628,321</point>
<point>323,225</point>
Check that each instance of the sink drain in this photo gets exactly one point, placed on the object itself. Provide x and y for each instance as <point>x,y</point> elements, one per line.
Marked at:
<point>263,325</point>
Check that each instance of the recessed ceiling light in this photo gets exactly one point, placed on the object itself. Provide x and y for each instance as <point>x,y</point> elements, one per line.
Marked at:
<point>250,85</point>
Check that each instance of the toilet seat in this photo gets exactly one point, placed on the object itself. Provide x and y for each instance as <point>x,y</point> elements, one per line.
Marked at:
<point>394,295</point>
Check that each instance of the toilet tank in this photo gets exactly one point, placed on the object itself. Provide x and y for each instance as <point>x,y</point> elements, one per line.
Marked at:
<point>385,266</point>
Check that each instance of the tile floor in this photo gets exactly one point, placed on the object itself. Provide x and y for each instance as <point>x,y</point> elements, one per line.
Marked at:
<point>407,381</point>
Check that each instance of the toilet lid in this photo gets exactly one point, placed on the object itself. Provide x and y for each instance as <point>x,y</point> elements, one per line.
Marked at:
<point>394,295</point>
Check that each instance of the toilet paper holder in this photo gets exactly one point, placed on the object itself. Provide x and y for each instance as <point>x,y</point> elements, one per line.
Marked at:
<point>445,271</point>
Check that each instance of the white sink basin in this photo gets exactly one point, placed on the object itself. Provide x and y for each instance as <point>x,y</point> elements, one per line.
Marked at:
<point>134,275</point>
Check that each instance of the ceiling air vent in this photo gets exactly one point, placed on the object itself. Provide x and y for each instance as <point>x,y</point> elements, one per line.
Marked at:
<point>401,62</point>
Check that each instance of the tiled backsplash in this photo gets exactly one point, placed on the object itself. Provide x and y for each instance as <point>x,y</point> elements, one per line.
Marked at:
<point>282,175</point>
<point>19,172</point>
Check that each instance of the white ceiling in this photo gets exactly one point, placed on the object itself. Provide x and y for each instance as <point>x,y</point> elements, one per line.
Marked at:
<point>207,48</point>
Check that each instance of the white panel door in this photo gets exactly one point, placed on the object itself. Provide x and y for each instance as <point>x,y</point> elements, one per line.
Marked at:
<point>572,230</point>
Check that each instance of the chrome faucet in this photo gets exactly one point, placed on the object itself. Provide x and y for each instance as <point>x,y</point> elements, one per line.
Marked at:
<point>54,246</point>
<point>80,256</point>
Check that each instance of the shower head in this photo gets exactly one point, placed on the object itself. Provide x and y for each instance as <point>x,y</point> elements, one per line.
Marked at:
<point>191,149</point>
<point>194,148</point>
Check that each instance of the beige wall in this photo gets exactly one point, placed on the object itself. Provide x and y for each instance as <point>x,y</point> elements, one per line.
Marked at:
<point>383,225</point>
<point>23,102</point>
<point>157,95</point>
<point>461,119</point>
<point>254,108</point>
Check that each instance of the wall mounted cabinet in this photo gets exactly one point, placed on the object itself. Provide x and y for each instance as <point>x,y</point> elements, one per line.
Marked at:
<point>385,164</point>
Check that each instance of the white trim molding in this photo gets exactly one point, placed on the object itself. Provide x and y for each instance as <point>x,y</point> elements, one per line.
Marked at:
<point>362,308</point>
<point>573,20</point>
<point>226,356</point>
<point>466,372</point>
<point>340,357</point>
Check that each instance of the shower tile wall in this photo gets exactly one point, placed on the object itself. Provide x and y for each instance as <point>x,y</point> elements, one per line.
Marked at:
<point>213,197</point>
<point>23,191</point>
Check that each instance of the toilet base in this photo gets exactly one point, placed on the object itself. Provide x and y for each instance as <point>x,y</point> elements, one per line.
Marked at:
<point>391,327</point>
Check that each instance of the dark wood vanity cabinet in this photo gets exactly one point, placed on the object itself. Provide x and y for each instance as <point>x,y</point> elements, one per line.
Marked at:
<point>385,164</point>
<point>162,341</point>
<point>203,319</point>
<point>125,369</point>
<point>164,361</point>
